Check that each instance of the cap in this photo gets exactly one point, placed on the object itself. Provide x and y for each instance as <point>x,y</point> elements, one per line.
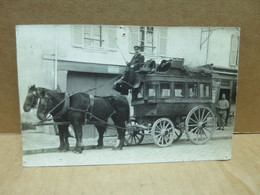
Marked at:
<point>137,47</point>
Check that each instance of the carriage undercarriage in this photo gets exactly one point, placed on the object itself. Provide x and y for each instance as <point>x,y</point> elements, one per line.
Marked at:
<point>198,125</point>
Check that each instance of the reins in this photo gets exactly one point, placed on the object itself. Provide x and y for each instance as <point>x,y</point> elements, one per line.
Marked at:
<point>89,90</point>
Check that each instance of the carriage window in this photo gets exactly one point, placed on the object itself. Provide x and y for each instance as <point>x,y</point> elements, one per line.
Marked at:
<point>140,93</point>
<point>204,90</point>
<point>179,90</point>
<point>192,90</point>
<point>165,89</point>
<point>151,90</point>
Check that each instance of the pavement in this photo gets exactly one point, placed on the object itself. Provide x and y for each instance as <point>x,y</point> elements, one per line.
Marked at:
<point>36,142</point>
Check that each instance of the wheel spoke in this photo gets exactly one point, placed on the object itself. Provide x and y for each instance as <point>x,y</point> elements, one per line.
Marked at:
<point>202,115</point>
<point>207,120</point>
<point>207,129</point>
<point>193,120</point>
<point>196,116</point>
<point>205,117</point>
<point>205,134</point>
<point>193,129</point>
<point>135,140</point>
<point>166,125</point>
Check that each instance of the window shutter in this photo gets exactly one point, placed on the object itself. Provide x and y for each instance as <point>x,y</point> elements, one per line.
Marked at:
<point>134,39</point>
<point>111,31</point>
<point>234,50</point>
<point>77,35</point>
<point>162,40</point>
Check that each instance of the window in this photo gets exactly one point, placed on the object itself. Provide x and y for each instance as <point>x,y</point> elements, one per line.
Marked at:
<point>179,90</point>
<point>165,90</point>
<point>234,50</point>
<point>89,36</point>
<point>144,36</point>
<point>92,36</point>
<point>151,90</point>
<point>204,90</point>
<point>192,90</point>
<point>146,39</point>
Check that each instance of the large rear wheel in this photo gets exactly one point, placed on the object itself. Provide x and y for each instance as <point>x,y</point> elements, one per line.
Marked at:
<point>200,125</point>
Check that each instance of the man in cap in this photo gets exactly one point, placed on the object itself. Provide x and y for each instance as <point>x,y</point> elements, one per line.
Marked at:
<point>135,64</point>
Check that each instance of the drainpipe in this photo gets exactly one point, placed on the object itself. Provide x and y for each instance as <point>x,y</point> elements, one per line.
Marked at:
<point>56,59</point>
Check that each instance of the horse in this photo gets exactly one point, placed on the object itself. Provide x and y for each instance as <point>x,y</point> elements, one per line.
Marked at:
<point>80,107</point>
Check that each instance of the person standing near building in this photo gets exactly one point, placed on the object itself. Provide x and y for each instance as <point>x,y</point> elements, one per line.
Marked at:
<point>222,108</point>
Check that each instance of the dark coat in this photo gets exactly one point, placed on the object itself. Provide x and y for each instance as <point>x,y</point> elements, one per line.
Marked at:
<point>135,64</point>
<point>137,61</point>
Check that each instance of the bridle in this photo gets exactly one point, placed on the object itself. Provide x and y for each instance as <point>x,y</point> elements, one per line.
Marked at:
<point>33,99</point>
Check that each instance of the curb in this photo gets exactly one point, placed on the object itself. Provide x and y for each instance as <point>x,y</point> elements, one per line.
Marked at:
<point>89,147</point>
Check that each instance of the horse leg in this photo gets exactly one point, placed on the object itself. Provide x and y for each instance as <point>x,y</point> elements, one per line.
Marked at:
<point>61,136</point>
<point>78,134</point>
<point>120,132</point>
<point>66,138</point>
<point>101,130</point>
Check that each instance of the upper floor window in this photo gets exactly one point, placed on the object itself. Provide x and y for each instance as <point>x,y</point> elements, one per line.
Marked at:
<point>94,36</point>
<point>234,50</point>
<point>144,36</point>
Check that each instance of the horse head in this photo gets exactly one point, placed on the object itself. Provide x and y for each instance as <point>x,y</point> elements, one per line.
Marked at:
<point>31,99</point>
<point>51,102</point>
<point>45,104</point>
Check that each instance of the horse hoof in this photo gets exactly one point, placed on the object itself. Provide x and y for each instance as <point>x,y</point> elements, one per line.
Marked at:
<point>98,147</point>
<point>117,148</point>
<point>78,150</point>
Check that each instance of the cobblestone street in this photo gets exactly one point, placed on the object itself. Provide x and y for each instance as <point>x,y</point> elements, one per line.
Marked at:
<point>219,148</point>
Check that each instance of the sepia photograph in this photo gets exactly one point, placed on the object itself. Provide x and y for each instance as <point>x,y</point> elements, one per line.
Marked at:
<point>118,94</point>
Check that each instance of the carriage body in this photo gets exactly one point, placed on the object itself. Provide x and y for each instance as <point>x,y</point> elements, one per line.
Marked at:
<point>176,97</point>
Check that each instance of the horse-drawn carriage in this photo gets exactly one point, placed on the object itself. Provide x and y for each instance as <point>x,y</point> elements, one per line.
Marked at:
<point>166,101</point>
<point>172,100</point>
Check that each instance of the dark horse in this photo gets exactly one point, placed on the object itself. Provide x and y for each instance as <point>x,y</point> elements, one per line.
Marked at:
<point>76,109</point>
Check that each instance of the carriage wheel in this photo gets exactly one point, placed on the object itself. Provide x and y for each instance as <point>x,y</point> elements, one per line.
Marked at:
<point>163,132</point>
<point>133,136</point>
<point>200,124</point>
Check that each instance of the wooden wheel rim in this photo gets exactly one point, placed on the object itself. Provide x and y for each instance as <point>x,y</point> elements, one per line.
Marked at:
<point>163,132</point>
<point>200,125</point>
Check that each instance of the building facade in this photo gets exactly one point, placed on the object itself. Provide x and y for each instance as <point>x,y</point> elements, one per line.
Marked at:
<point>82,57</point>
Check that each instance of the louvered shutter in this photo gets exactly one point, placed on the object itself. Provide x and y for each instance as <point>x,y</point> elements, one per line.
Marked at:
<point>162,40</point>
<point>111,31</point>
<point>134,38</point>
<point>234,50</point>
<point>77,36</point>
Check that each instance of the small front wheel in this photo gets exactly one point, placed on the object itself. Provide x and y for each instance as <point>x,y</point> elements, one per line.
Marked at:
<point>133,136</point>
<point>163,132</point>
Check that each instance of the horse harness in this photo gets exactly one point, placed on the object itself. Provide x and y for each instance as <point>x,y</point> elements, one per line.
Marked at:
<point>87,111</point>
